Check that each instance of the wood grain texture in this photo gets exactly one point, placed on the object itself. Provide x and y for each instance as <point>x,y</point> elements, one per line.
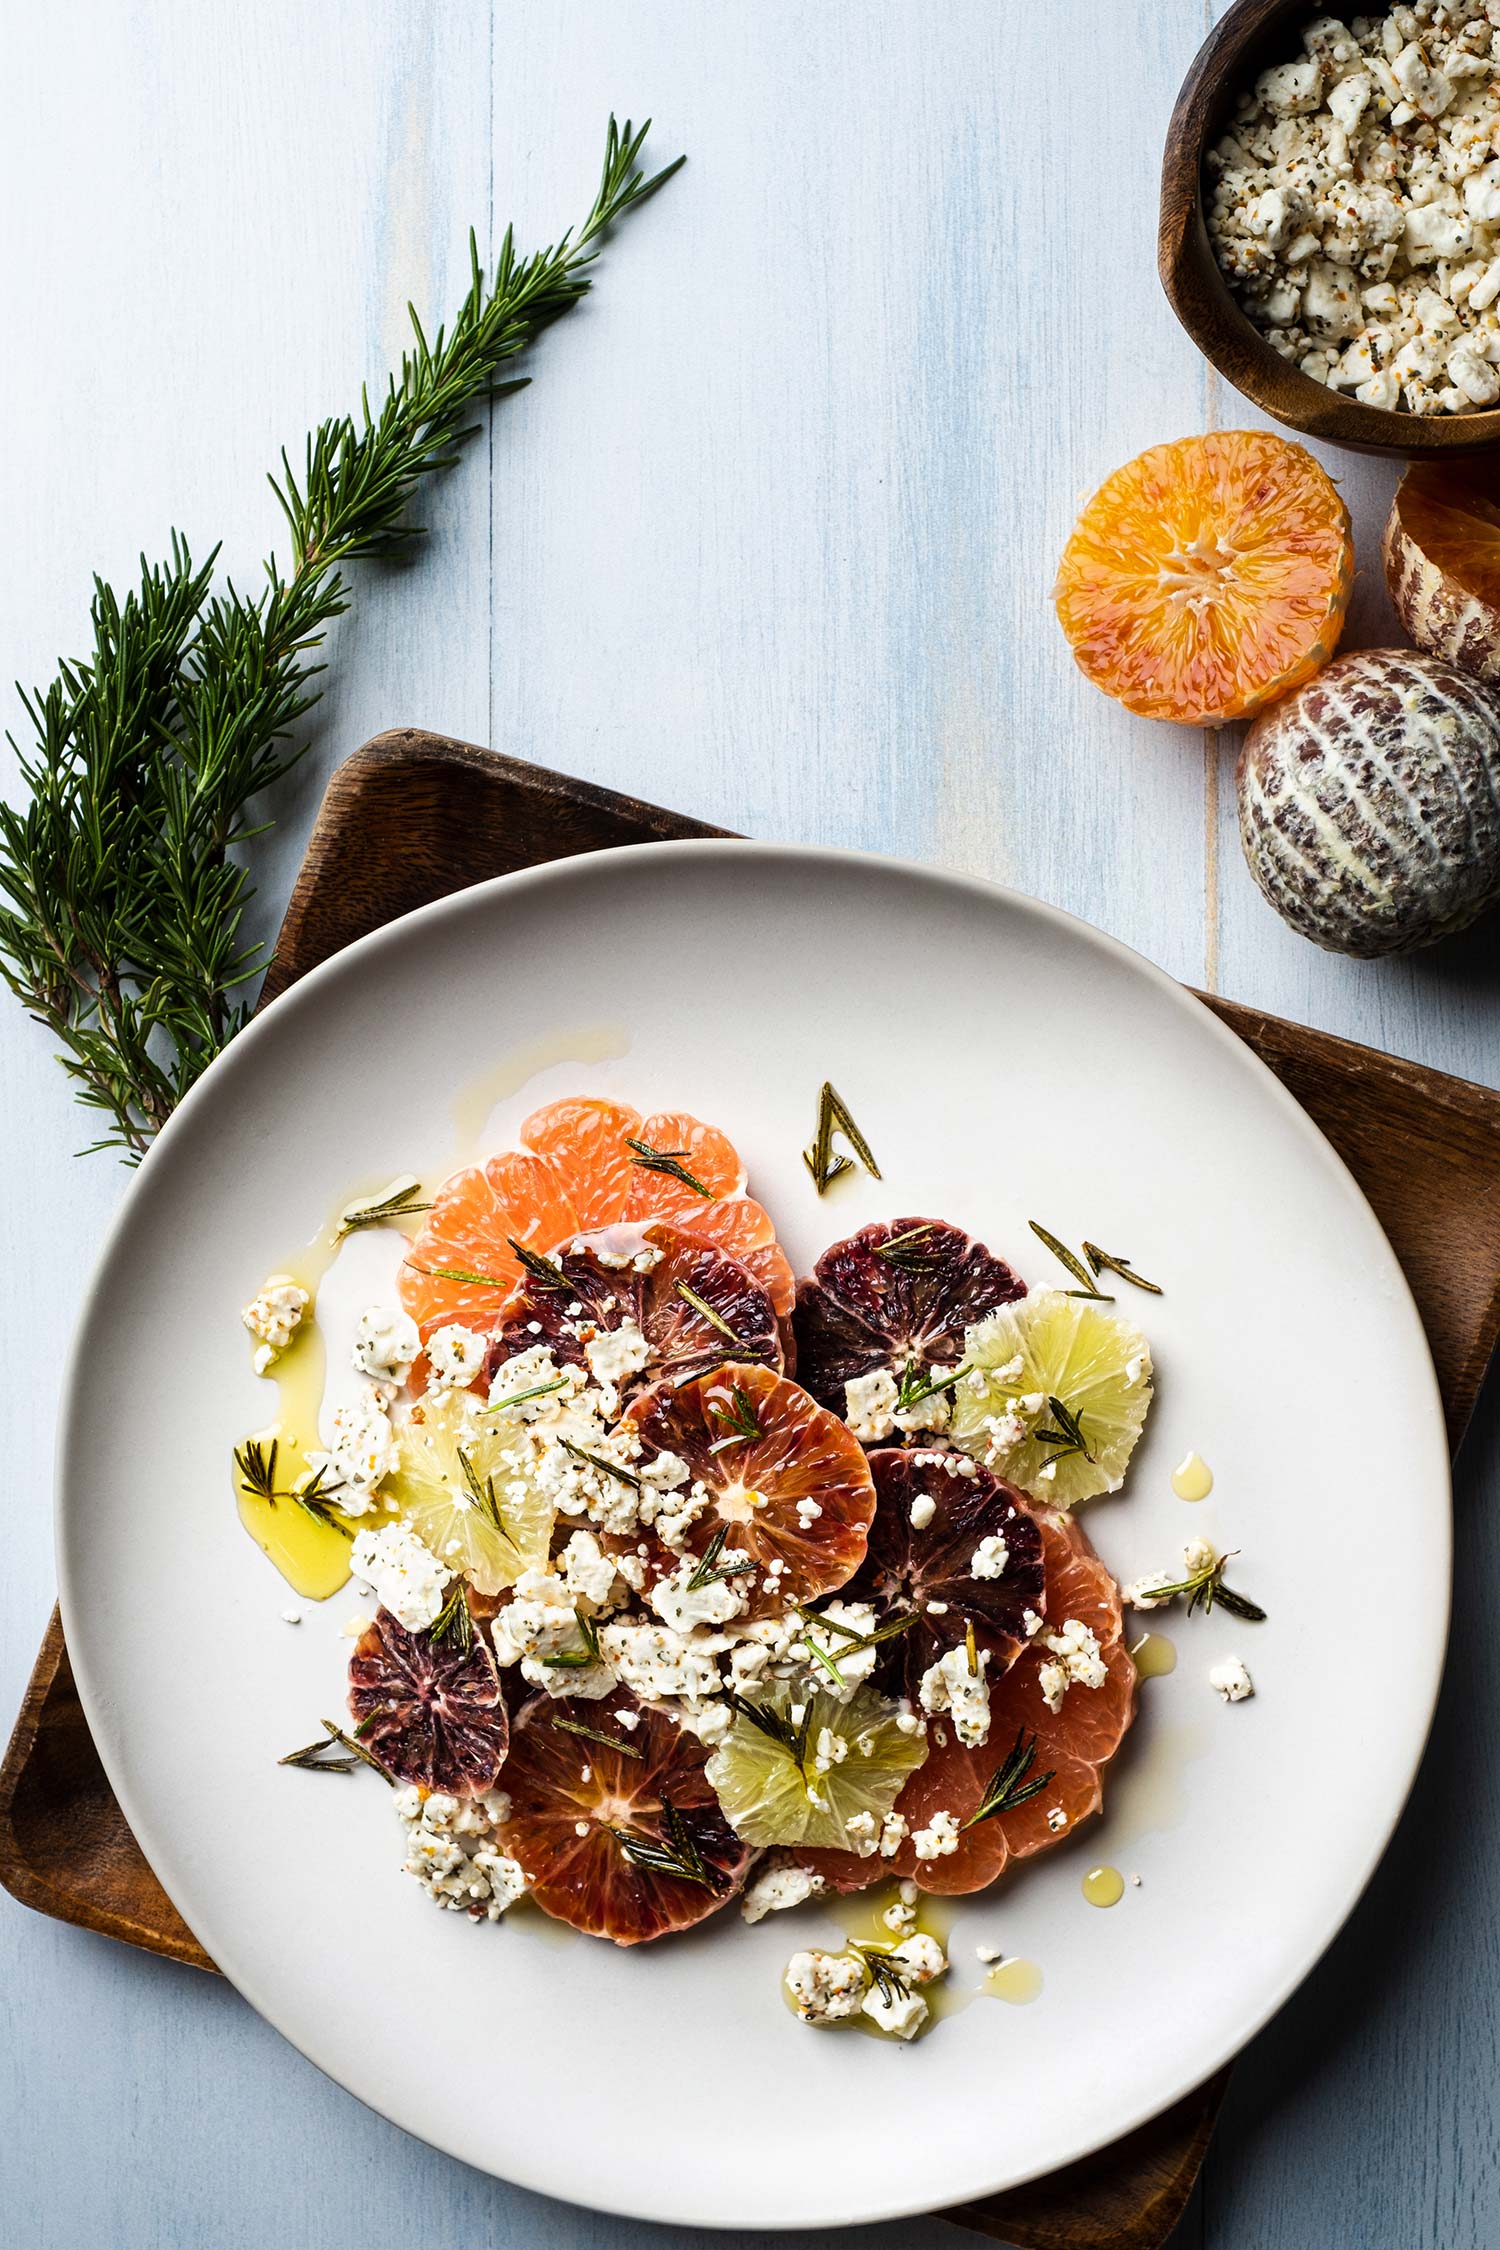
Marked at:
<point>769,540</point>
<point>1247,37</point>
<point>414,817</point>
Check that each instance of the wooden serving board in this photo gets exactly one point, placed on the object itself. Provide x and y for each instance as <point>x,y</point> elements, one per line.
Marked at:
<point>412,817</point>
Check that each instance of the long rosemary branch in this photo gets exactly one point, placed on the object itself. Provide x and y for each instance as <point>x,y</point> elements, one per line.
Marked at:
<point>123,880</point>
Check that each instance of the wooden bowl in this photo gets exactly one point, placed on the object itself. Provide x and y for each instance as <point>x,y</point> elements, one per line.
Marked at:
<point>1254,34</point>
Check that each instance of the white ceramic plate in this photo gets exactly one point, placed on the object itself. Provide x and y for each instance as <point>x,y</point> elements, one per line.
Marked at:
<point>1006,1063</point>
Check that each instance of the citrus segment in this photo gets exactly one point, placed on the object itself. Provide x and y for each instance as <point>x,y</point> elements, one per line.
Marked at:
<point>708,1156</point>
<point>642,1810</point>
<point>898,1293</point>
<point>460,1266</point>
<point>1442,562</point>
<point>584,1142</point>
<point>432,1713</point>
<point>926,1569</point>
<point>798,1764</point>
<point>1025,1361</point>
<point>1207,577</point>
<point>786,1482</point>
<point>462,1492</point>
<point>694,1306</point>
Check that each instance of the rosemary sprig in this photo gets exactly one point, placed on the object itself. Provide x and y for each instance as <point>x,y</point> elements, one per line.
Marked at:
<point>459,1273</point>
<point>821,1159</point>
<point>256,1462</point>
<point>885,1974</point>
<point>317,1757</point>
<point>1105,1261</point>
<point>542,1270</point>
<point>771,1723</point>
<point>597,1461</point>
<point>123,879</point>
<point>483,1495</point>
<point>1012,1783</point>
<point>676,1854</point>
<point>1205,1588</point>
<point>1074,1264</point>
<point>668,1160</point>
<point>522,1398</point>
<point>397,1205</point>
<point>453,1621</point>
<point>709,1570</point>
<point>899,1251</point>
<point>578,1659</point>
<point>705,1311</point>
<point>593,1734</point>
<point>740,1420</point>
<point>916,1387</point>
<point>1068,1436</point>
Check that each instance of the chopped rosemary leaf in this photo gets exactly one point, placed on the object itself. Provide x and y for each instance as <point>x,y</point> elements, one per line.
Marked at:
<point>542,1270</point>
<point>792,1739</point>
<point>482,1495</point>
<point>459,1273</point>
<point>593,1734</point>
<point>822,1659</point>
<point>1206,1587</point>
<point>577,1659</point>
<point>1067,1437</point>
<point>521,1398</point>
<point>820,1158</point>
<point>317,1757</point>
<point>453,1621</point>
<point>676,1854</point>
<point>739,1418</point>
<point>898,1251</point>
<point>597,1461</point>
<point>915,1388</point>
<point>886,1975</point>
<point>709,1572</point>
<point>1074,1264</point>
<point>397,1205</point>
<point>317,1501</point>
<point>256,1462</point>
<point>1104,1261</point>
<point>668,1160</point>
<point>705,1310</point>
<point>1012,1783</point>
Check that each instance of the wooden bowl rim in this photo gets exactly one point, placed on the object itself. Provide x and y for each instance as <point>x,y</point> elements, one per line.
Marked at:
<point>1206,306</point>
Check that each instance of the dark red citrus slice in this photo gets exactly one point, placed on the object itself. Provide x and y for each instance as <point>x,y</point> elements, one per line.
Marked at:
<point>896,1293</point>
<point>1074,1743</point>
<point>433,1715</point>
<point>598,1830</point>
<point>583,1164</point>
<point>910,1568</point>
<point>761,1446</point>
<point>666,1304</point>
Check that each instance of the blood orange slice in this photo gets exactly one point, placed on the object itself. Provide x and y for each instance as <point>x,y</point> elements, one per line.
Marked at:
<point>583,1164</point>
<point>926,1567</point>
<point>788,1483</point>
<point>1073,1744</point>
<point>894,1294</point>
<point>695,1306</point>
<point>621,1837</point>
<point>430,1712</point>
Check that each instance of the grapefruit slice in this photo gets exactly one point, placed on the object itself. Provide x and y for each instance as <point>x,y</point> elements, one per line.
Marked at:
<point>695,1306</point>
<point>896,1293</point>
<point>430,1711</point>
<point>1207,577</point>
<point>787,1483</point>
<point>925,1569</point>
<point>1073,1744</point>
<point>582,1165</point>
<point>624,1842</point>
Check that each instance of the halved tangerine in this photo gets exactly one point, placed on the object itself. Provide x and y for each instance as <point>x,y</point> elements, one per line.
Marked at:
<point>1207,577</point>
<point>432,1712</point>
<point>1072,1744</point>
<point>695,1306</point>
<point>789,1485</point>
<point>599,1829</point>
<point>899,1292</point>
<point>1442,561</point>
<point>583,1164</point>
<point>909,1566</point>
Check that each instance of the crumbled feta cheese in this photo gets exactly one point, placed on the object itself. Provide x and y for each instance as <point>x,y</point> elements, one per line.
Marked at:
<point>894,1830</point>
<point>825,1987</point>
<point>292,1616</point>
<point>614,1355</point>
<point>402,1573</point>
<point>901,2012</point>
<point>1077,1662</point>
<point>922,1511</point>
<point>991,1558</point>
<point>920,1958</point>
<point>361,1452</point>
<point>541,1390</point>
<point>1057,1820</point>
<point>1147,1593</point>
<point>273,1316</point>
<point>455,1356</point>
<point>776,1888</point>
<point>950,1685</point>
<point>938,1839</point>
<point>900,1916</point>
<point>587,1572</point>
<point>1231,1681</point>
<point>451,1849</point>
<point>653,1661</point>
<point>683,1605</point>
<point>385,1344</point>
<point>870,1405</point>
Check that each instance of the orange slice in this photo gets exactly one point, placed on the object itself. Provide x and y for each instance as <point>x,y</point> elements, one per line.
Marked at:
<point>1442,562</point>
<point>761,1445</point>
<point>576,1172</point>
<point>1207,577</point>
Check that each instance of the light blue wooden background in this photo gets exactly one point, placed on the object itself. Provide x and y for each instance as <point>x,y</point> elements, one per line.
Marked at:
<point>769,540</point>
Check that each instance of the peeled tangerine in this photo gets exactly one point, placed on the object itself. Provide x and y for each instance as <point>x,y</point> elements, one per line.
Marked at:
<point>1207,577</point>
<point>1370,802</point>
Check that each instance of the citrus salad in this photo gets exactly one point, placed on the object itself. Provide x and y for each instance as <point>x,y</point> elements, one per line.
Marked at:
<point>696,1583</point>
